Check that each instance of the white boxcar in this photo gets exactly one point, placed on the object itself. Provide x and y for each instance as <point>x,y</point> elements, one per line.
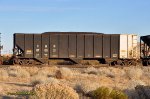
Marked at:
<point>128,46</point>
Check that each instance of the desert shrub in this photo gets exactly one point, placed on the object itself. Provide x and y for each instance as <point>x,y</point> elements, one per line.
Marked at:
<point>32,70</point>
<point>143,91</point>
<point>106,93</point>
<point>3,74</point>
<point>132,94</point>
<point>118,72</point>
<point>101,93</point>
<point>134,73</point>
<point>86,63</point>
<point>115,94</point>
<point>1,89</point>
<point>17,71</point>
<point>38,79</point>
<point>111,72</point>
<point>50,71</point>
<point>53,91</point>
<point>42,72</point>
<point>146,69</point>
<point>86,86</point>
<point>94,62</point>
<point>42,79</point>
<point>52,80</point>
<point>91,70</point>
<point>146,73</point>
<point>140,92</point>
<point>106,72</point>
<point>133,83</point>
<point>89,62</point>
<point>63,73</point>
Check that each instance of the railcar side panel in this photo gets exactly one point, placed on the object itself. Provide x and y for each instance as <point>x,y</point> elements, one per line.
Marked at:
<point>80,46</point>
<point>89,46</point>
<point>115,46</point>
<point>135,47</point>
<point>37,46</point>
<point>72,45</point>
<point>98,46</point>
<point>106,46</point>
<point>45,46</point>
<point>123,46</point>
<point>63,46</point>
<point>19,41</point>
<point>130,46</point>
<point>54,38</point>
<point>29,46</point>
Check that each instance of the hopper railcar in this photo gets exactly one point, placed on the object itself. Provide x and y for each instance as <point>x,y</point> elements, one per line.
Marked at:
<point>145,50</point>
<point>110,49</point>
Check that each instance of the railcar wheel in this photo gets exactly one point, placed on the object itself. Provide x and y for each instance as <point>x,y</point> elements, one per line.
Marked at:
<point>148,62</point>
<point>145,63</point>
<point>129,63</point>
<point>114,63</point>
<point>121,62</point>
<point>135,63</point>
<point>21,62</point>
<point>15,61</point>
<point>29,62</point>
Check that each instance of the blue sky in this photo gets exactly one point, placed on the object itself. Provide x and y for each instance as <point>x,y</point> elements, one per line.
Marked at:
<point>106,16</point>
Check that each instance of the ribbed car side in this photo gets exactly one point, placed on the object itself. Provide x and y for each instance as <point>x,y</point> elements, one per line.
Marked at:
<point>112,49</point>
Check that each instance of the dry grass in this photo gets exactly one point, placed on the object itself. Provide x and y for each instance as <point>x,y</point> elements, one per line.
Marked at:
<point>41,78</point>
<point>111,72</point>
<point>89,62</point>
<point>32,70</point>
<point>146,75</point>
<point>3,74</point>
<point>82,79</point>
<point>17,71</point>
<point>50,72</point>
<point>53,91</point>
<point>1,89</point>
<point>52,80</point>
<point>134,73</point>
<point>64,73</point>
<point>86,86</point>
<point>106,72</point>
<point>91,70</point>
<point>42,72</point>
<point>44,75</point>
<point>133,83</point>
<point>38,79</point>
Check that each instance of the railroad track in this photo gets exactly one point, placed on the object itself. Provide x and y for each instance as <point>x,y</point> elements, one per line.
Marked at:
<point>2,66</point>
<point>68,66</point>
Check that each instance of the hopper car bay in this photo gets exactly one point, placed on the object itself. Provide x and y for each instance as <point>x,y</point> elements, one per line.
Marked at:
<point>112,49</point>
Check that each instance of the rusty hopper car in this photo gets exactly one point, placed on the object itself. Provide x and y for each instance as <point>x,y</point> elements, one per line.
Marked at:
<point>74,46</point>
<point>145,50</point>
